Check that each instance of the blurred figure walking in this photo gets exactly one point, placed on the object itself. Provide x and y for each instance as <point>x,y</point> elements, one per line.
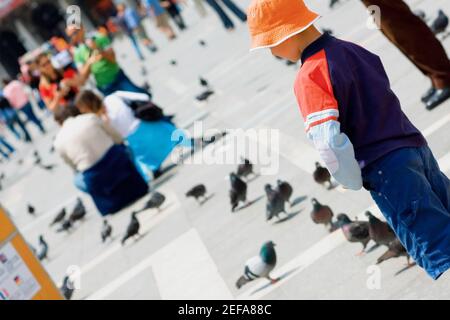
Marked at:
<point>19,99</point>
<point>156,11</point>
<point>9,148</point>
<point>228,24</point>
<point>11,119</point>
<point>174,12</point>
<point>130,22</point>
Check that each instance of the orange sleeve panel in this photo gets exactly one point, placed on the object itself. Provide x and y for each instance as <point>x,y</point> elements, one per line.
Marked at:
<point>314,91</point>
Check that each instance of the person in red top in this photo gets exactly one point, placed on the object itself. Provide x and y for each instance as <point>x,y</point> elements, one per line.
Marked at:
<point>58,87</point>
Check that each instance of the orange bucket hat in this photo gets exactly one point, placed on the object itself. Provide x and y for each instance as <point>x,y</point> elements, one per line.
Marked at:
<point>273,21</point>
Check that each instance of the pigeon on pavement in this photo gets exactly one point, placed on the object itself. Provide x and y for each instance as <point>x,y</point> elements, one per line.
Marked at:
<point>66,225</point>
<point>67,288</point>
<point>155,202</point>
<point>260,266</point>
<point>106,230</point>
<point>204,95</point>
<point>395,250</point>
<point>244,169</point>
<point>322,175</point>
<point>333,3</point>
<point>79,212</point>
<point>440,24</point>
<point>321,214</point>
<point>380,231</point>
<point>286,190</point>
<point>31,210</point>
<point>275,203</point>
<point>132,229</point>
<point>43,249</point>
<point>197,192</point>
<point>238,191</point>
<point>59,217</point>
<point>354,231</point>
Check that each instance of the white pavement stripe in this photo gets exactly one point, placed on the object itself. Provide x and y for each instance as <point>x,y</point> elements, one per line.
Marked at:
<point>147,220</point>
<point>183,270</point>
<point>444,163</point>
<point>436,126</point>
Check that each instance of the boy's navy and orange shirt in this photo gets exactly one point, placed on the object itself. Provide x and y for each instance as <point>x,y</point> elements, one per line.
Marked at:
<point>343,89</point>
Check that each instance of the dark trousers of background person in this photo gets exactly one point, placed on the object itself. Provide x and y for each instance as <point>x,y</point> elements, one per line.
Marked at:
<point>10,149</point>
<point>14,120</point>
<point>228,24</point>
<point>415,39</point>
<point>175,14</point>
<point>27,110</point>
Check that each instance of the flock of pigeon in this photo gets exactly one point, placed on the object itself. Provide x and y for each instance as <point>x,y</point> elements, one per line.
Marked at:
<point>362,232</point>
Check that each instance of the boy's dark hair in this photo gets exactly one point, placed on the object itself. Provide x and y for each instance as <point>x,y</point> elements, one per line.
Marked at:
<point>62,113</point>
<point>90,100</point>
<point>6,81</point>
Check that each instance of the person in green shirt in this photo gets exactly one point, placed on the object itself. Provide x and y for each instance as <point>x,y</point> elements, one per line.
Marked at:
<point>108,75</point>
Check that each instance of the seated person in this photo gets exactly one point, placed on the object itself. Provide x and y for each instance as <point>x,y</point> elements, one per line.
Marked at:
<point>102,163</point>
<point>151,142</point>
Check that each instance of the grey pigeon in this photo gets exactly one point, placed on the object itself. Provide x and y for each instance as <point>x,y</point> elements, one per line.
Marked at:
<point>204,83</point>
<point>59,217</point>
<point>79,211</point>
<point>321,214</point>
<point>43,249</point>
<point>333,3</point>
<point>155,202</point>
<point>197,192</point>
<point>354,231</point>
<point>380,231</point>
<point>260,266</point>
<point>132,229</point>
<point>238,191</point>
<point>395,250</point>
<point>322,175</point>
<point>31,210</point>
<point>440,24</point>
<point>275,203</point>
<point>245,168</point>
<point>47,167</point>
<point>67,288</point>
<point>204,96</point>
<point>106,230</point>
<point>66,225</point>
<point>286,190</point>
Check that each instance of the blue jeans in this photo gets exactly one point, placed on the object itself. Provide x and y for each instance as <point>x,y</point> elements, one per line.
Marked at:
<point>136,46</point>
<point>223,16</point>
<point>122,83</point>
<point>31,116</point>
<point>79,182</point>
<point>8,147</point>
<point>13,120</point>
<point>414,196</point>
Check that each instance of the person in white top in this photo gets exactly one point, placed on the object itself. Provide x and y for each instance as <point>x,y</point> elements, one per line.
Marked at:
<point>102,164</point>
<point>151,142</point>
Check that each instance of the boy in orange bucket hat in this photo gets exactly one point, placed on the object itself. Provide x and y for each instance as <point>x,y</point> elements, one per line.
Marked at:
<point>356,123</point>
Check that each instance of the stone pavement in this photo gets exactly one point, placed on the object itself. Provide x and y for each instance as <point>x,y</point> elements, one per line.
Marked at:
<point>189,251</point>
